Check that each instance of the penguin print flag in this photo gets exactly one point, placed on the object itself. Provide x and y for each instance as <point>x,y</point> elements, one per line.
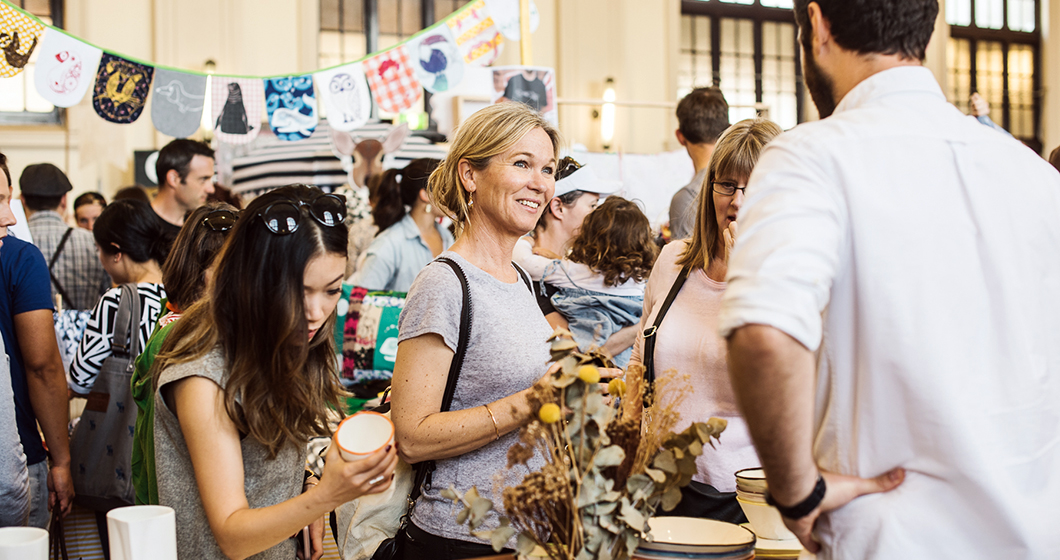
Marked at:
<point>292,107</point>
<point>236,106</point>
<point>346,97</point>
<point>436,60</point>
<point>121,89</point>
<point>65,68</point>
<point>476,36</point>
<point>176,109</point>
<point>393,81</point>
<point>19,35</point>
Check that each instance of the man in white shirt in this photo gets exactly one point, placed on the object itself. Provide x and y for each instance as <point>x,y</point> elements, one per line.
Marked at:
<point>893,309</point>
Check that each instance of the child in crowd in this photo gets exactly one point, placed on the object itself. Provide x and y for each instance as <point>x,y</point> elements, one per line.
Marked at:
<point>601,283</point>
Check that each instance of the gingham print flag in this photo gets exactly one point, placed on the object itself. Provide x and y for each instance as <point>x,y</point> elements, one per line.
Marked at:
<point>395,87</point>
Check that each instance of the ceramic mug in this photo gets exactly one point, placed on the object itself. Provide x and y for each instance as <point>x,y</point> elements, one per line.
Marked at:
<point>23,543</point>
<point>142,533</point>
<point>363,434</point>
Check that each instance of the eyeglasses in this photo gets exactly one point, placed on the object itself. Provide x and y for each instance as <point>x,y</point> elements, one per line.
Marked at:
<point>283,217</point>
<point>221,220</point>
<point>566,166</point>
<point>726,188</point>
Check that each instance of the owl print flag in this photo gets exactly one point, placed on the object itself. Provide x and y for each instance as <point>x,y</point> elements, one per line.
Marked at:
<point>176,108</point>
<point>393,81</point>
<point>121,89</point>
<point>236,106</point>
<point>65,68</point>
<point>292,107</point>
<point>19,35</point>
<point>436,60</point>
<point>346,97</point>
<point>476,36</point>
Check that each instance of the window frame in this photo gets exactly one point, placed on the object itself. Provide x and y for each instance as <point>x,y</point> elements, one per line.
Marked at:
<point>55,117</point>
<point>1007,37</point>
<point>758,14</point>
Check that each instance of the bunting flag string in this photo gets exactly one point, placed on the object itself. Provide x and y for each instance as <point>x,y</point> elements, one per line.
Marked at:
<point>395,78</point>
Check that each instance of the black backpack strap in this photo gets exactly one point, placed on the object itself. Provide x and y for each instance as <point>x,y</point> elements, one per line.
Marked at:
<point>424,469</point>
<point>525,277</point>
<point>650,332</point>
<point>51,266</point>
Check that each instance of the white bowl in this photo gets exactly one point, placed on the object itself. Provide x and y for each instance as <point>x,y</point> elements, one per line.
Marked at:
<point>363,434</point>
<point>765,520</point>
<point>751,496</point>
<point>689,535</point>
<point>23,543</point>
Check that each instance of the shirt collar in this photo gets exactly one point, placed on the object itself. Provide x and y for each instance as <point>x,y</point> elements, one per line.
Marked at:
<point>412,231</point>
<point>902,79</point>
<point>45,215</point>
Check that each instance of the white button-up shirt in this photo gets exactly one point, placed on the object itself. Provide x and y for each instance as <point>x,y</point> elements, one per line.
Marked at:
<point>918,252</point>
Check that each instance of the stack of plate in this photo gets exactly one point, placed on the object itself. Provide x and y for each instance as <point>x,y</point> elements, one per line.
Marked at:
<point>695,539</point>
<point>774,539</point>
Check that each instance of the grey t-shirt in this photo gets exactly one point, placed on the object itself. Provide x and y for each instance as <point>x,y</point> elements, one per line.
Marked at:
<point>266,481</point>
<point>14,478</point>
<point>684,205</point>
<point>507,352</point>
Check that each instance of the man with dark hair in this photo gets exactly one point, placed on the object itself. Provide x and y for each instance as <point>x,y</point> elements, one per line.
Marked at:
<point>892,309</point>
<point>36,370</point>
<point>77,276</point>
<point>702,116</point>
<point>185,178</point>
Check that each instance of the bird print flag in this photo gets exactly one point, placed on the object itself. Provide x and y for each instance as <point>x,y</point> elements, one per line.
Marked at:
<point>292,107</point>
<point>393,81</point>
<point>346,98</point>
<point>19,35</point>
<point>121,89</point>
<point>176,108</point>
<point>436,60</point>
<point>66,67</point>
<point>236,105</point>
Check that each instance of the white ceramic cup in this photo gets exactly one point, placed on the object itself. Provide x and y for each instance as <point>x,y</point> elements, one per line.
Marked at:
<point>142,533</point>
<point>23,543</point>
<point>363,434</point>
<point>765,520</point>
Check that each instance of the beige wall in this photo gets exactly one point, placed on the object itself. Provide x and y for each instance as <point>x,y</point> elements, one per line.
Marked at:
<point>586,41</point>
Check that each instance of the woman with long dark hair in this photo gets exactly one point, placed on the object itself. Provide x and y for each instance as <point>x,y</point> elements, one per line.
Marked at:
<point>407,239</point>
<point>247,376</point>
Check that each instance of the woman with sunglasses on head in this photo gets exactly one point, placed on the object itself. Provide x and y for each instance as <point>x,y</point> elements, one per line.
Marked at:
<point>247,376</point>
<point>686,341</point>
<point>407,240</point>
<point>133,243</point>
<point>185,275</point>
<point>494,184</point>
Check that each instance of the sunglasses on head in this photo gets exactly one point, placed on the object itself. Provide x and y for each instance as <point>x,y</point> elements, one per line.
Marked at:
<point>283,217</point>
<point>566,166</point>
<point>221,220</point>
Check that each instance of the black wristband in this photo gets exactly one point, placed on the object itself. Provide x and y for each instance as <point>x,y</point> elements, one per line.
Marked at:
<point>803,508</point>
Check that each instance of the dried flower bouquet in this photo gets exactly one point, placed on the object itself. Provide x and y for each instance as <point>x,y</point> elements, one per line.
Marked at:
<point>608,465</point>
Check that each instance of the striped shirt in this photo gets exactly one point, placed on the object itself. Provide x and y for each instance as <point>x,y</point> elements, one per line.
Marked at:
<point>78,268</point>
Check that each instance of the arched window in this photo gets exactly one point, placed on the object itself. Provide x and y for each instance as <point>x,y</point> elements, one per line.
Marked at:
<point>994,49</point>
<point>748,48</point>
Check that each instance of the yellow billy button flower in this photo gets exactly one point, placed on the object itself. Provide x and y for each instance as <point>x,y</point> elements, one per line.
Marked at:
<point>616,387</point>
<point>549,413</point>
<point>589,374</point>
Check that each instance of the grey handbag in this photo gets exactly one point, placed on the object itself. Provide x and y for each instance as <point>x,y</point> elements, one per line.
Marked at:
<point>101,447</point>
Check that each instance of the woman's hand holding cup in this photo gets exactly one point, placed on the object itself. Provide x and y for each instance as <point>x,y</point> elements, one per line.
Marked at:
<point>344,480</point>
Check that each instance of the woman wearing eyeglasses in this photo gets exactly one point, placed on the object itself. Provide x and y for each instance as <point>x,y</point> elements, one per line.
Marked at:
<point>184,275</point>
<point>407,239</point>
<point>494,184</point>
<point>686,340</point>
<point>247,376</point>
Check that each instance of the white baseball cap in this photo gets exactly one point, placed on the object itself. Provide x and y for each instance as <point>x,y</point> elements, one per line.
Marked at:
<point>584,179</point>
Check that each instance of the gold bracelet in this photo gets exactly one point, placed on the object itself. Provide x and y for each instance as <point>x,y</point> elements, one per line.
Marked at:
<point>496,428</point>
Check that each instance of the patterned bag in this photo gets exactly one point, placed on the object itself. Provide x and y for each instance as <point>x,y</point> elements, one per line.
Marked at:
<point>101,446</point>
<point>369,339</point>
